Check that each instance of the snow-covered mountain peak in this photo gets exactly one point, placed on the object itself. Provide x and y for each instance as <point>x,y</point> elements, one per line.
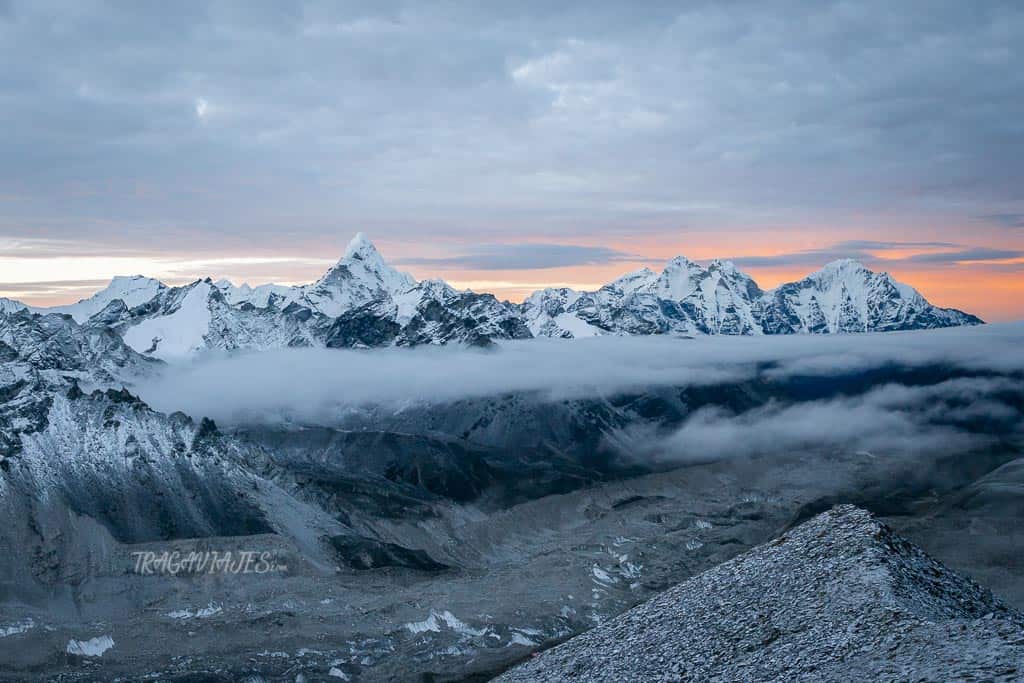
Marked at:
<point>687,298</point>
<point>362,276</point>
<point>841,268</point>
<point>680,278</point>
<point>362,261</point>
<point>724,266</point>
<point>642,278</point>
<point>360,247</point>
<point>133,290</point>
<point>682,265</point>
<point>10,305</point>
<point>681,262</point>
<point>181,327</point>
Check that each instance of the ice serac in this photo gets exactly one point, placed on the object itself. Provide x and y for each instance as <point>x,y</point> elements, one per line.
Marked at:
<point>839,598</point>
<point>688,298</point>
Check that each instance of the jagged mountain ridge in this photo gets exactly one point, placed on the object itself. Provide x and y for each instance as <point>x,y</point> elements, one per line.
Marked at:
<point>363,302</point>
<point>687,298</point>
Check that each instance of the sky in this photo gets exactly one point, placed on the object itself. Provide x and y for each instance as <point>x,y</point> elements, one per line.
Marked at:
<point>509,146</point>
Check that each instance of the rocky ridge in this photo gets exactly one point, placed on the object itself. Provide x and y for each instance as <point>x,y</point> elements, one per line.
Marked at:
<point>838,598</point>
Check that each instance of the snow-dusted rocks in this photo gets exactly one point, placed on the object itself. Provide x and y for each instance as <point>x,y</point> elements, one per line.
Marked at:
<point>431,312</point>
<point>93,647</point>
<point>74,438</point>
<point>839,598</point>
<point>56,345</point>
<point>42,356</point>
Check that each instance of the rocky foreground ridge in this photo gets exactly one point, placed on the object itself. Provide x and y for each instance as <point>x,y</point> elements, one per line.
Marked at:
<point>839,598</point>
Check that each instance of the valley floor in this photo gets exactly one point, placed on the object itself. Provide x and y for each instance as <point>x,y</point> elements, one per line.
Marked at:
<point>527,577</point>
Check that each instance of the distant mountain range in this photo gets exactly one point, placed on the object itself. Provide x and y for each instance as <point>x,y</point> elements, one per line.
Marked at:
<point>364,302</point>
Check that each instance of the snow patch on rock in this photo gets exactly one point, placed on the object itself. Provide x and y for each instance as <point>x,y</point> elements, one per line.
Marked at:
<point>94,647</point>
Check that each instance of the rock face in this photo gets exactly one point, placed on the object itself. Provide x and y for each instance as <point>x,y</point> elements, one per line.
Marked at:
<point>72,436</point>
<point>42,357</point>
<point>839,598</point>
<point>362,301</point>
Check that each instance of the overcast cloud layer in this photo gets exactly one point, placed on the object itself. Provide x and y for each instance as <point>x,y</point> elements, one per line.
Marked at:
<point>224,129</point>
<point>262,117</point>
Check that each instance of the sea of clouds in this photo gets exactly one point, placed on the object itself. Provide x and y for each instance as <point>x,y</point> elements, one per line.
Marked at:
<point>316,386</point>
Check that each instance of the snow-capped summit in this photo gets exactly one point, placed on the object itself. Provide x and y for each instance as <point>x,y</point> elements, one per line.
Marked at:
<point>642,279</point>
<point>133,290</point>
<point>846,296</point>
<point>688,298</point>
<point>685,298</point>
<point>360,247</point>
<point>10,305</point>
<point>362,276</point>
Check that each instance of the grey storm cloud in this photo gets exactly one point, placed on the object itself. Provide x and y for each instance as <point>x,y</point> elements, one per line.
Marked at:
<point>49,286</point>
<point>245,119</point>
<point>1007,220</point>
<point>526,257</point>
<point>962,255</point>
<point>947,254</point>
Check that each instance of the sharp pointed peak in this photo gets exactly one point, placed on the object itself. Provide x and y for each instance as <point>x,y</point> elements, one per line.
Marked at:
<point>643,272</point>
<point>681,261</point>
<point>120,281</point>
<point>844,264</point>
<point>360,247</point>
<point>719,264</point>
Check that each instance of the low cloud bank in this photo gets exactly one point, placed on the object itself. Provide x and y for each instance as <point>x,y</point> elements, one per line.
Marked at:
<point>953,416</point>
<point>319,386</point>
